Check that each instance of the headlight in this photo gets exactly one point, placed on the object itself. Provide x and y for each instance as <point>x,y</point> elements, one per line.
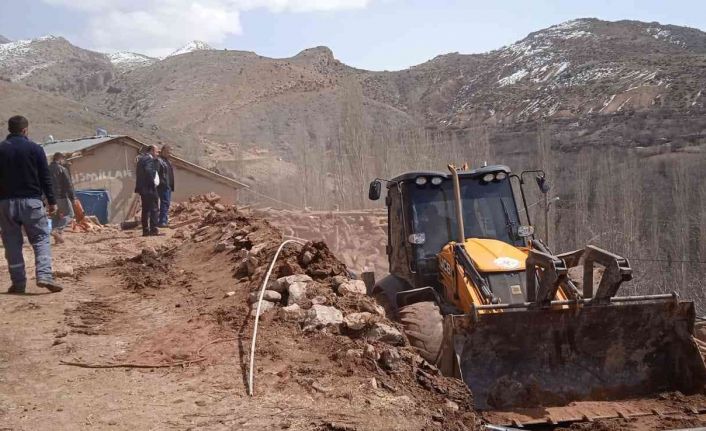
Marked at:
<point>420,181</point>
<point>488,177</point>
<point>437,180</point>
<point>500,176</point>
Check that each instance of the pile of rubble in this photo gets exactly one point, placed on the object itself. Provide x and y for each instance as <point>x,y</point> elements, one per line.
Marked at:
<point>358,238</point>
<point>313,294</point>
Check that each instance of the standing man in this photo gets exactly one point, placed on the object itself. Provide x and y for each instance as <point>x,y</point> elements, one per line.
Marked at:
<point>146,182</point>
<point>24,177</point>
<point>64,195</point>
<point>166,185</point>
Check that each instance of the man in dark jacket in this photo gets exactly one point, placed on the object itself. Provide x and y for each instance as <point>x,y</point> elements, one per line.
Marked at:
<point>166,185</point>
<point>24,178</point>
<point>64,195</point>
<point>146,181</point>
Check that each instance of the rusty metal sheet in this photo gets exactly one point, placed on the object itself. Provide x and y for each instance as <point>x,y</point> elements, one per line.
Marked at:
<point>552,357</point>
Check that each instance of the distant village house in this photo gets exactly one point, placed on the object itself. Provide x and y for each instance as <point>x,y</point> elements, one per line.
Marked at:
<point>108,163</point>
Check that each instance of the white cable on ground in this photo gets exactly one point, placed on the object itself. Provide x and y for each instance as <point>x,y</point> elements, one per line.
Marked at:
<point>257,313</point>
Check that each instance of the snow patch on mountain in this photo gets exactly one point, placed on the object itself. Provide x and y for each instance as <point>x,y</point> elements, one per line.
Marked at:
<point>194,45</point>
<point>125,61</point>
<point>17,58</point>
<point>663,34</point>
<point>512,79</point>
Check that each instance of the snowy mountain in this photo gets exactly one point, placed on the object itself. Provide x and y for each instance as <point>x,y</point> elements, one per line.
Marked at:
<point>3,39</point>
<point>126,61</point>
<point>51,63</point>
<point>194,45</point>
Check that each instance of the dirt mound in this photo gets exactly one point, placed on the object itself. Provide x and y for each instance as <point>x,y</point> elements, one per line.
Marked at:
<point>358,238</point>
<point>320,335</point>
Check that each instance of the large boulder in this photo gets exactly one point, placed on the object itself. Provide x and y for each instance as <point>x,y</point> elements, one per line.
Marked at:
<point>352,287</point>
<point>357,321</point>
<point>321,316</point>
<point>385,333</point>
<point>296,292</point>
<point>296,278</point>
<point>292,313</point>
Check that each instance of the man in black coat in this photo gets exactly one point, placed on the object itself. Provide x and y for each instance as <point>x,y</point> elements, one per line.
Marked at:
<point>24,180</point>
<point>166,185</point>
<point>146,182</point>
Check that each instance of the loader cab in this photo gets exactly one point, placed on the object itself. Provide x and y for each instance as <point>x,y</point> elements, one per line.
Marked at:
<point>422,219</point>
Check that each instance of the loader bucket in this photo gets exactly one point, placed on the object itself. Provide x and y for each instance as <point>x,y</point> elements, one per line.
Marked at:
<point>551,357</point>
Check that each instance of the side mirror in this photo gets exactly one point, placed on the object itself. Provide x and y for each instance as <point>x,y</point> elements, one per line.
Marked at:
<point>544,186</point>
<point>374,190</point>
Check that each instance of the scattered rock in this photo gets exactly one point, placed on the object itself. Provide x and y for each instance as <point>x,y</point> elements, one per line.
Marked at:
<point>256,249</point>
<point>321,316</point>
<point>357,321</point>
<point>221,246</point>
<point>355,287</point>
<point>296,291</point>
<point>149,252</point>
<point>307,257</point>
<point>369,351</point>
<point>385,333</point>
<point>390,359</point>
<point>320,300</point>
<point>179,234</point>
<point>292,313</point>
<point>219,207</point>
<point>229,294</point>
<point>373,308</point>
<point>339,280</point>
<point>354,353</point>
<point>301,278</point>
<point>451,406</point>
<point>269,295</point>
<point>374,383</point>
<point>276,286</point>
<point>266,305</point>
<point>64,271</point>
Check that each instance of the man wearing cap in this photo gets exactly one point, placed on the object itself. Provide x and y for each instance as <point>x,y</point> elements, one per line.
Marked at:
<point>24,178</point>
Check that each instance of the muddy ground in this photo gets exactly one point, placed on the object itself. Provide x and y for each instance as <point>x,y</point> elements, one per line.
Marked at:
<point>154,333</point>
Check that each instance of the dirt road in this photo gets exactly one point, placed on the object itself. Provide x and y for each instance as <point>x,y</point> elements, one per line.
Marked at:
<point>173,309</point>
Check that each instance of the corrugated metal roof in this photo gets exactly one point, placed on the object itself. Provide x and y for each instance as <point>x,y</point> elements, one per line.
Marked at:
<point>73,145</point>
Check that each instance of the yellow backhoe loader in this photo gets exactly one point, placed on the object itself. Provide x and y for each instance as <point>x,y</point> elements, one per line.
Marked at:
<point>486,302</point>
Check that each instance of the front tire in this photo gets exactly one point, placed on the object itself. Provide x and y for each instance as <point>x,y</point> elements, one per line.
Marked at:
<point>424,327</point>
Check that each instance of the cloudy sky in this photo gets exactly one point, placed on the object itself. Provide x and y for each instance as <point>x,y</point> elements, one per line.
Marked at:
<point>371,34</point>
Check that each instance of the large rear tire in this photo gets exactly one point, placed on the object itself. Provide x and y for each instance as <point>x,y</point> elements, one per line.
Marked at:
<point>424,327</point>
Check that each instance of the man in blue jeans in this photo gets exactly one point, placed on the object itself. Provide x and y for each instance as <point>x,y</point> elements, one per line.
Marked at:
<point>24,178</point>
<point>166,185</point>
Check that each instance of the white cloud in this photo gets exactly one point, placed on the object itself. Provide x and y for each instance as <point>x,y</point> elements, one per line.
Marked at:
<point>158,27</point>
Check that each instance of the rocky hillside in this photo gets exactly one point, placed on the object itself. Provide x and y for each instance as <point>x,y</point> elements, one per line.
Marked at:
<point>225,102</point>
<point>579,67</point>
<point>243,99</point>
<point>53,64</point>
<point>64,118</point>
